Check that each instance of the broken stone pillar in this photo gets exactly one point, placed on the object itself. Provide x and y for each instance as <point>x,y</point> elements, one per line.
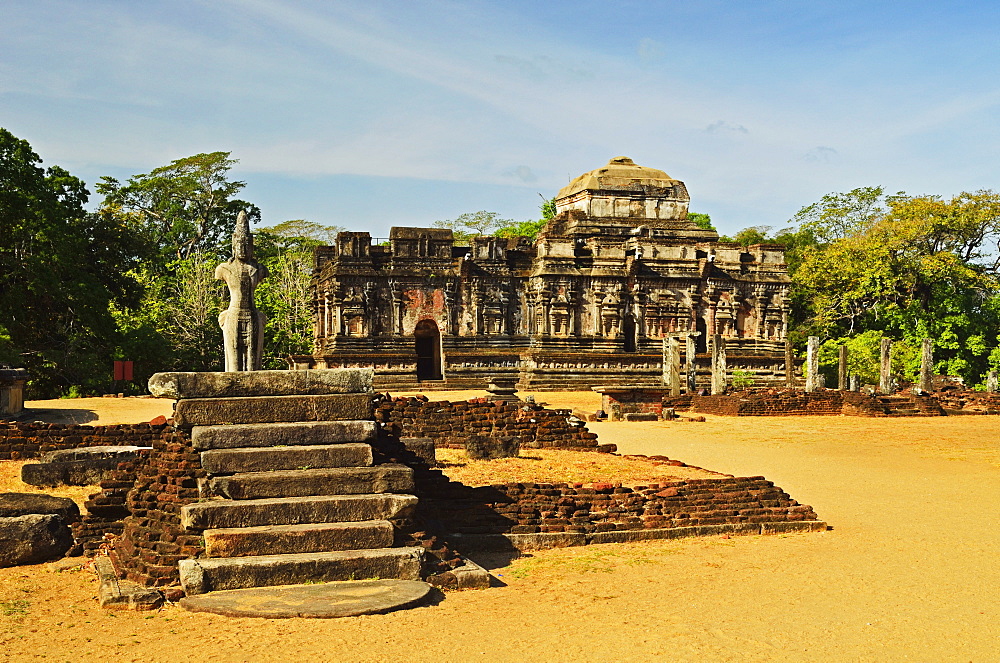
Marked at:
<point>812,364</point>
<point>242,324</point>
<point>691,367</point>
<point>992,384</point>
<point>885,372</point>
<point>842,369</point>
<point>672,365</point>
<point>855,382</point>
<point>718,364</point>
<point>789,365</point>
<point>926,364</point>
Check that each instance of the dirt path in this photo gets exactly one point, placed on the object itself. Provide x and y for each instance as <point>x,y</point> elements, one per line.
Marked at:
<point>909,572</point>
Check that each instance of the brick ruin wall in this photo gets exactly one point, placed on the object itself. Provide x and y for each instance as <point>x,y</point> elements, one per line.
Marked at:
<point>786,402</point>
<point>24,441</point>
<point>140,504</point>
<point>449,424</point>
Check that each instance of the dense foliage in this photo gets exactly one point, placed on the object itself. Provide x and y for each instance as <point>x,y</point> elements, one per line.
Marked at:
<point>866,265</point>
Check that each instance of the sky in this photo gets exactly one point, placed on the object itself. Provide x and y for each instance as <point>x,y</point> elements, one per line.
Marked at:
<point>376,113</point>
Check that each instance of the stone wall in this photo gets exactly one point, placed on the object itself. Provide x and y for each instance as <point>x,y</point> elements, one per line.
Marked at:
<point>775,402</point>
<point>153,540</point>
<point>538,515</point>
<point>23,441</point>
<point>450,424</point>
<point>107,509</point>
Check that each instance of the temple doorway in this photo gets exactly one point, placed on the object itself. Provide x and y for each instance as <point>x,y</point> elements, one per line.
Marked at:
<point>428,345</point>
<point>630,331</point>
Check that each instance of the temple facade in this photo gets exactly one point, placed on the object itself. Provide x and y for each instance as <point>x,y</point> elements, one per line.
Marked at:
<point>590,301</point>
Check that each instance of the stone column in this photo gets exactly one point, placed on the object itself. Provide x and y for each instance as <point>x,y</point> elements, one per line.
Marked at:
<point>691,367</point>
<point>842,369</point>
<point>718,364</point>
<point>885,373</point>
<point>789,365</point>
<point>674,365</point>
<point>854,382</point>
<point>992,384</point>
<point>926,364</point>
<point>812,364</point>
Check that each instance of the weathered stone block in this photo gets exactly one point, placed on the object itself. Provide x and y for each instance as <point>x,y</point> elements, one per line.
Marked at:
<point>305,538</point>
<point>264,459</point>
<point>282,434</point>
<point>33,538</point>
<point>325,481</point>
<point>226,384</point>
<point>271,409</point>
<point>295,510</point>
<point>481,447</point>
<point>23,504</point>
<point>205,575</point>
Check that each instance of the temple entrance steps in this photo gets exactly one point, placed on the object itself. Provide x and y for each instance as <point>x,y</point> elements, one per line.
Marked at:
<point>290,505</point>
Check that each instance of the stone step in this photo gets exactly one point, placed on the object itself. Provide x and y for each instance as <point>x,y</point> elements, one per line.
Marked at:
<point>325,481</point>
<point>319,600</point>
<point>213,514</point>
<point>199,576</point>
<point>271,409</point>
<point>222,384</point>
<point>306,538</point>
<point>283,434</point>
<point>266,459</point>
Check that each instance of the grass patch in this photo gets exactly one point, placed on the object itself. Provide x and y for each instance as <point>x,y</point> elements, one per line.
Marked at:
<point>14,608</point>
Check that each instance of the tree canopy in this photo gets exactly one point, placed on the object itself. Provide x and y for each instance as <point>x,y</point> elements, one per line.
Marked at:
<point>61,268</point>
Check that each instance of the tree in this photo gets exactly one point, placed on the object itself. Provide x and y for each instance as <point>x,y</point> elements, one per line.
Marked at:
<point>530,229</point>
<point>182,208</point>
<point>473,224</point>
<point>302,229</point>
<point>921,267</point>
<point>60,271</point>
<point>703,221</point>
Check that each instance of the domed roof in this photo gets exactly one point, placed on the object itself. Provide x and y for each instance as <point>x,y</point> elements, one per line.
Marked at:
<point>620,173</point>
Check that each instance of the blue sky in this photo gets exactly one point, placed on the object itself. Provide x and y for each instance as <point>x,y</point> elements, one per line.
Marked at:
<point>373,114</point>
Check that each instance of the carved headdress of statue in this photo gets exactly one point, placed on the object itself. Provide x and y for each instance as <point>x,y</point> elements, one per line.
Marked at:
<point>242,324</point>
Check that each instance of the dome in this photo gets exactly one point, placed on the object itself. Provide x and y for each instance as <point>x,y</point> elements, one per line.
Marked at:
<point>619,173</point>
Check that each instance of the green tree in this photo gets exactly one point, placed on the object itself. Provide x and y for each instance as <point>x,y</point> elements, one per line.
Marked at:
<point>920,267</point>
<point>183,208</point>
<point>703,221</point>
<point>61,269</point>
<point>473,224</point>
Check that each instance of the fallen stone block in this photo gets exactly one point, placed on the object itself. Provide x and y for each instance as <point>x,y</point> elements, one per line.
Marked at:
<point>23,504</point>
<point>114,593</point>
<point>33,538</point>
<point>78,467</point>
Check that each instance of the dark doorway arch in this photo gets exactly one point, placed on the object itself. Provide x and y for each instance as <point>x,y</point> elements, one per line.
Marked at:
<point>702,339</point>
<point>630,332</point>
<point>427,339</point>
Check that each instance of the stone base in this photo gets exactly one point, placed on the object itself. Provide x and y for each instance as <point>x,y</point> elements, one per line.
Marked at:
<point>325,600</point>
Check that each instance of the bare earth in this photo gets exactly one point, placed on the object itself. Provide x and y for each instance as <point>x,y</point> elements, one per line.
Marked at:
<point>909,572</point>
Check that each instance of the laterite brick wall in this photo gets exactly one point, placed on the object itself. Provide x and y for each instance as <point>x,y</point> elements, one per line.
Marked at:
<point>23,441</point>
<point>449,424</point>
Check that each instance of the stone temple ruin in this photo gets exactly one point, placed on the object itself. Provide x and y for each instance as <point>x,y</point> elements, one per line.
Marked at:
<point>619,269</point>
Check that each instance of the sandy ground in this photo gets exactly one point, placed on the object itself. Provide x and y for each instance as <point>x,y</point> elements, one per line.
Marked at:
<point>908,573</point>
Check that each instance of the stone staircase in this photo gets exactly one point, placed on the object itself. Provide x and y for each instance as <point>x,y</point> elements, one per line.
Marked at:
<point>290,503</point>
<point>311,510</point>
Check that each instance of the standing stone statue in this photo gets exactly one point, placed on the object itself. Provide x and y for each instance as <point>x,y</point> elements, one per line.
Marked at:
<point>242,324</point>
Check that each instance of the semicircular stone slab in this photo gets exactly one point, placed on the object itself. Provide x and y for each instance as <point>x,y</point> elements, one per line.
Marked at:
<point>323,600</point>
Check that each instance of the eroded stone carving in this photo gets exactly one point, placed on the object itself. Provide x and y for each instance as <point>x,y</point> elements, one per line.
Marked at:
<point>242,324</point>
